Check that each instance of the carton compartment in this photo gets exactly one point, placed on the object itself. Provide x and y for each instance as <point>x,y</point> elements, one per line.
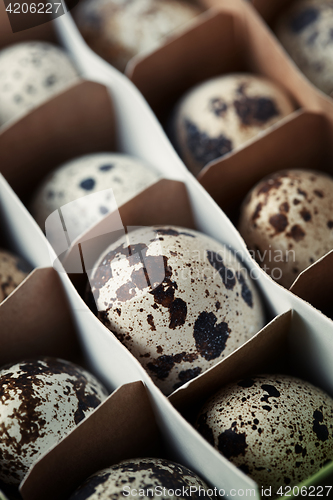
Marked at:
<point>304,142</point>
<point>35,320</point>
<point>76,122</point>
<point>220,41</point>
<point>283,346</point>
<point>315,285</point>
<point>43,32</point>
<point>122,427</point>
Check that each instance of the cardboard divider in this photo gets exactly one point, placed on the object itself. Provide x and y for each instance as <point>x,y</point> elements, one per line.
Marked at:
<point>272,350</point>
<point>7,37</point>
<point>224,40</point>
<point>263,352</point>
<point>208,48</point>
<point>315,285</point>
<point>122,427</point>
<point>302,142</point>
<point>76,122</point>
<point>35,320</point>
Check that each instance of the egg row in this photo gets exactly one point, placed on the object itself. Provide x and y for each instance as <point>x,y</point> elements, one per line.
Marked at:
<point>278,429</point>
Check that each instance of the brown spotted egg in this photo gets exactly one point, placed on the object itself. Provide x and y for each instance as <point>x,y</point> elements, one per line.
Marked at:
<point>143,477</point>
<point>177,299</point>
<point>306,32</point>
<point>287,222</point>
<point>30,74</point>
<point>13,270</point>
<point>221,114</point>
<point>276,428</point>
<point>41,400</point>
<point>121,29</point>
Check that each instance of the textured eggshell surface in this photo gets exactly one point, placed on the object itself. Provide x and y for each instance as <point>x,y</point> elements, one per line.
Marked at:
<point>221,114</point>
<point>92,185</point>
<point>30,74</point>
<point>276,428</point>
<point>177,299</point>
<point>135,477</point>
<point>41,401</point>
<point>120,29</point>
<point>305,31</point>
<point>13,270</point>
<point>287,222</point>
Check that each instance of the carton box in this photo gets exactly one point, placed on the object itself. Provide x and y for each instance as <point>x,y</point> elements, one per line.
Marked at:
<point>139,133</point>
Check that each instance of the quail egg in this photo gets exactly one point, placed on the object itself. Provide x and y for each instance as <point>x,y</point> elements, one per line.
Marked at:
<point>13,270</point>
<point>31,73</point>
<point>143,477</point>
<point>305,31</point>
<point>177,299</point>
<point>287,222</point>
<point>41,400</point>
<point>220,114</point>
<point>276,428</point>
<point>89,187</point>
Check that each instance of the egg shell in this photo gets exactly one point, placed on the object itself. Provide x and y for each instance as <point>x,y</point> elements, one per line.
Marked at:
<point>41,400</point>
<point>87,175</point>
<point>221,114</point>
<point>140,474</point>
<point>287,222</point>
<point>305,31</point>
<point>13,270</point>
<point>30,74</point>
<point>277,429</point>
<point>177,299</point>
<point>121,29</point>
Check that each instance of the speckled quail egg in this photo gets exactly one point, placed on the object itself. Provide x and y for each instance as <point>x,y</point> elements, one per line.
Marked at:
<point>276,428</point>
<point>287,222</point>
<point>143,477</point>
<point>30,74</point>
<point>41,400</point>
<point>13,270</point>
<point>121,29</point>
<point>220,114</point>
<point>110,180</point>
<point>177,299</point>
<point>306,32</point>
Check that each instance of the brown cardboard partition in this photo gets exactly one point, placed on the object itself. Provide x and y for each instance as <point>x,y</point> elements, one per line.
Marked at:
<point>7,37</point>
<point>315,285</point>
<point>303,141</point>
<point>76,122</point>
<point>35,320</point>
<point>230,38</point>
<point>272,350</point>
<point>265,352</point>
<point>122,427</point>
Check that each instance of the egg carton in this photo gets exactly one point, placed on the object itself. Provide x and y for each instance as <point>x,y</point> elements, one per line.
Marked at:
<point>148,139</point>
